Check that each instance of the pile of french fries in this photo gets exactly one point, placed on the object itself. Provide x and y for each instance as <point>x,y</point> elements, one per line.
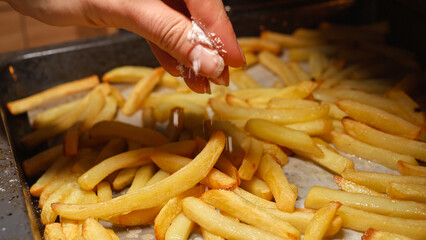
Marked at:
<point>213,164</point>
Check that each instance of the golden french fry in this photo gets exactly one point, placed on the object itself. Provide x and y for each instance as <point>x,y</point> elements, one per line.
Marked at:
<point>411,170</point>
<point>278,67</point>
<point>317,64</point>
<point>196,210</point>
<point>372,234</point>
<point>379,119</point>
<point>360,220</point>
<point>291,103</point>
<point>301,75</point>
<point>257,187</point>
<point>47,214</point>
<point>180,228</point>
<point>45,118</point>
<point>156,99</point>
<point>66,177</point>
<point>104,191</point>
<point>406,191</point>
<point>270,171</point>
<point>126,74</point>
<point>95,104</point>
<point>277,152</point>
<point>331,159</point>
<point>142,176</point>
<point>352,187</point>
<point>320,196</point>
<point>384,140</point>
<point>165,217</point>
<point>210,236</point>
<point>282,136</point>
<point>380,181</point>
<point>387,158</point>
<point>255,44</point>
<point>235,101</point>
<point>41,161</point>
<point>113,147</point>
<point>53,231</point>
<point>144,136</point>
<point>242,79</point>
<point>314,127</point>
<point>71,228</point>
<point>24,104</point>
<point>321,221</point>
<point>247,212</point>
<point>136,217</point>
<point>141,91</point>
<point>70,141</point>
<point>119,99</point>
<point>92,230</point>
<point>251,160</point>
<point>412,110</point>
<point>124,178</point>
<point>151,195</point>
<point>37,188</point>
<point>258,201</point>
<point>108,111</point>
<point>158,176</point>
<point>289,41</point>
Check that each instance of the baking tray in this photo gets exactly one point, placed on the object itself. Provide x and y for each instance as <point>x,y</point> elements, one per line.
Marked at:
<point>27,72</point>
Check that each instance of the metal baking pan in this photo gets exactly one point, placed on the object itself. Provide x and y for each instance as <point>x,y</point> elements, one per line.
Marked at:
<point>27,72</point>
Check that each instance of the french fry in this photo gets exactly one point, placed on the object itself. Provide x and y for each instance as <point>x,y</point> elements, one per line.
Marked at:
<point>360,220</point>
<point>319,224</point>
<point>127,74</point>
<point>282,136</point>
<point>96,101</point>
<point>374,86</point>
<point>37,188</point>
<point>379,181</point>
<point>156,99</point>
<point>258,201</point>
<point>270,171</point>
<point>255,44</point>
<point>144,136</point>
<point>141,90</point>
<point>165,217</point>
<point>210,236</point>
<point>92,230</point>
<point>257,187</point>
<point>180,228</point>
<point>142,176</point>
<point>412,110</point>
<point>235,101</point>
<point>108,111</point>
<point>41,161</point>
<point>196,210</point>
<point>175,124</point>
<point>45,118</point>
<point>65,178</point>
<point>148,118</point>
<point>247,212</point>
<point>136,217</point>
<point>72,228</point>
<point>150,196</point>
<point>331,159</point>
<point>119,99</point>
<point>47,214</point>
<point>372,234</point>
<point>314,127</point>
<point>242,79</point>
<point>384,140</point>
<point>70,141</point>
<point>124,178</point>
<point>183,148</point>
<point>251,160</point>
<point>320,196</point>
<point>113,147</point>
<point>277,66</point>
<point>335,66</point>
<point>406,191</point>
<point>24,104</point>
<point>96,174</point>
<point>53,231</point>
<point>301,75</point>
<point>317,64</point>
<point>411,170</point>
<point>277,152</point>
<point>104,191</point>
<point>289,41</point>
<point>303,53</point>
<point>84,160</point>
<point>379,119</point>
<point>352,187</point>
<point>158,176</point>
<point>387,158</point>
<point>291,103</point>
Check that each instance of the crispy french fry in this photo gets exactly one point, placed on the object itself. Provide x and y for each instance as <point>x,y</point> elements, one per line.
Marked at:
<point>379,119</point>
<point>380,181</point>
<point>144,136</point>
<point>257,187</point>
<point>384,140</point>
<point>331,159</point>
<point>141,90</point>
<point>360,220</point>
<point>255,44</point>
<point>251,160</point>
<point>314,127</point>
<point>47,214</point>
<point>372,234</point>
<point>124,178</point>
<point>180,228</point>
<point>40,162</point>
<point>53,231</point>
<point>411,170</point>
<point>406,191</point>
<point>282,136</point>
<point>277,66</point>
<point>37,188</point>
<point>165,217</point>
<point>142,176</point>
<point>352,187</point>
<point>320,196</point>
<point>289,41</point>
<point>150,196</point>
<point>321,221</point>
<point>92,230</point>
<point>270,171</point>
<point>72,228</point>
<point>247,212</point>
<point>277,152</point>
<point>24,104</point>
<point>387,158</point>
<point>196,210</point>
<point>126,74</point>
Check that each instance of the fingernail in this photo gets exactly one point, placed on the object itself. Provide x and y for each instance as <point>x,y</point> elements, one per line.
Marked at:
<point>206,62</point>
<point>242,54</point>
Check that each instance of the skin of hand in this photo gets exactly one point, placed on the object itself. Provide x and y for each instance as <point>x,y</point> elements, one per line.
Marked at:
<point>164,24</point>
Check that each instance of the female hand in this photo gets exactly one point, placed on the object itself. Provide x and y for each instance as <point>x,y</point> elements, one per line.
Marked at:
<point>166,25</point>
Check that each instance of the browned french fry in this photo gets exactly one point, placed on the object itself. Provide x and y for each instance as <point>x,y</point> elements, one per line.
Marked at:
<point>372,234</point>
<point>384,140</point>
<point>175,124</point>
<point>251,160</point>
<point>255,44</point>
<point>270,171</point>
<point>320,196</point>
<point>407,191</point>
<point>141,91</point>
<point>380,181</point>
<point>70,141</point>
<point>411,170</point>
<point>321,221</point>
<point>277,152</point>
<point>40,162</point>
<point>144,136</point>
<point>379,119</point>
<point>352,187</point>
<point>148,118</point>
<point>24,104</point>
